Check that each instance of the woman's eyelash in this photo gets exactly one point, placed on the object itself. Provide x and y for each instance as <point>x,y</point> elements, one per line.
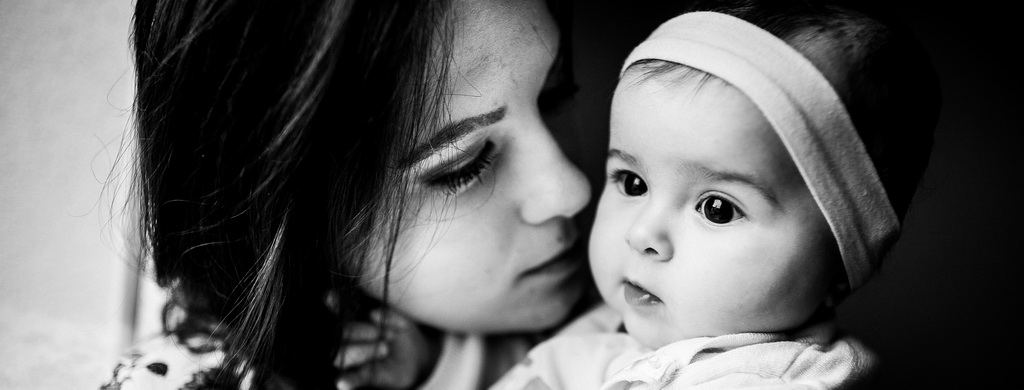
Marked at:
<point>453,182</point>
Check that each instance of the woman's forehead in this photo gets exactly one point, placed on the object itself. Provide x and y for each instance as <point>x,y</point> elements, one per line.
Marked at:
<point>495,34</point>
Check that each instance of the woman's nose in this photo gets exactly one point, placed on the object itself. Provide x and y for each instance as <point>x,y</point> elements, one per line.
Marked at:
<point>558,189</point>
<point>649,236</point>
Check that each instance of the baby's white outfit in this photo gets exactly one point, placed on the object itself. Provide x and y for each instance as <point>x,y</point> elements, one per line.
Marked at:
<point>816,356</point>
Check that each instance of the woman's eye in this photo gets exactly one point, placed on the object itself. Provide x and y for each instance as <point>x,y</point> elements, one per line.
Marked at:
<point>632,184</point>
<point>718,211</point>
<point>461,178</point>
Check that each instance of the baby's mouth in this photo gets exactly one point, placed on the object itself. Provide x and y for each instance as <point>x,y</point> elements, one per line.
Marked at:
<point>639,297</point>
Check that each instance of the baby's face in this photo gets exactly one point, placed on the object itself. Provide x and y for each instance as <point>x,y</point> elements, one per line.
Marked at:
<point>705,226</point>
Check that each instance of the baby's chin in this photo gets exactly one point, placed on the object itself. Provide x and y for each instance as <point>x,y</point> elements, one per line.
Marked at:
<point>651,329</point>
<point>649,333</point>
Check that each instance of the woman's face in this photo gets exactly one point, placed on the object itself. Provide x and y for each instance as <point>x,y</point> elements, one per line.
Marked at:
<point>488,243</point>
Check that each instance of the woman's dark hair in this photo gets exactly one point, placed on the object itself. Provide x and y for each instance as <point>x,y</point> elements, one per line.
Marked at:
<point>267,132</point>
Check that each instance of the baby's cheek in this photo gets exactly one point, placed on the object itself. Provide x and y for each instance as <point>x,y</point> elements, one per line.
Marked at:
<point>603,256</point>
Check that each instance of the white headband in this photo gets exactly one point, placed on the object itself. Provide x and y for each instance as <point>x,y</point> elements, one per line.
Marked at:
<point>805,111</point>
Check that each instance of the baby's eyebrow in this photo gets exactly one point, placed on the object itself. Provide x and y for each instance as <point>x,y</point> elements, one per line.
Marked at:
<point>709,174</point>
<point>736,177</point>
<point>628,158</point>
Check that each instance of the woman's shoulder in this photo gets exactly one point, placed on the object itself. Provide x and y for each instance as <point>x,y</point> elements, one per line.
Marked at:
<point>167,361</point>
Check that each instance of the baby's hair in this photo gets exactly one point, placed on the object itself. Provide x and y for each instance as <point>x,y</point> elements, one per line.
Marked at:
<point>885,78</point>
<point>670,72</point>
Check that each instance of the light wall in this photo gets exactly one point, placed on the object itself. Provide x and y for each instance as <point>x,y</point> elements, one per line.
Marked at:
<point>65,93</point>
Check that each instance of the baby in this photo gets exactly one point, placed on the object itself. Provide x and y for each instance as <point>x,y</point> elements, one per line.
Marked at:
<point>760,161</point>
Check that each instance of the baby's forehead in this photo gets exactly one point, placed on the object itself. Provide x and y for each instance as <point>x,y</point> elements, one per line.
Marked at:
<point>667,73</point>
<point>675,88</point>
<point>686,112</point>
<point>670,81</point>
<point>694,141</point>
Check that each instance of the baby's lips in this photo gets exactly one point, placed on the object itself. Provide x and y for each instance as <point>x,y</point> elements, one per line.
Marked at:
<point>637,296</point>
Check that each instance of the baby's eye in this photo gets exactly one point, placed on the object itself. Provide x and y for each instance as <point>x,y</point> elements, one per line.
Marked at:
<point>632,184</point>
<point>718,211</point>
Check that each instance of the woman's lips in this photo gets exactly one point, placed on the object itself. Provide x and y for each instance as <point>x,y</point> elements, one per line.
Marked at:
<point>637,296</point>
<point>570,257</point>
<point>567,261</point>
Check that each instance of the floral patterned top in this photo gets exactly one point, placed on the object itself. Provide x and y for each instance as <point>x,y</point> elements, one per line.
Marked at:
<point>165,362</point>
<point>188,359</point>
<point>192,359</point>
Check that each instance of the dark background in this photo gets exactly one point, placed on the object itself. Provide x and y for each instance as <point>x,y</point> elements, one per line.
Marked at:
<point>942,311</point>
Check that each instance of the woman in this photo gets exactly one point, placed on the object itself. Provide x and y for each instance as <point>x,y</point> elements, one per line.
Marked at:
<point>302,164</point>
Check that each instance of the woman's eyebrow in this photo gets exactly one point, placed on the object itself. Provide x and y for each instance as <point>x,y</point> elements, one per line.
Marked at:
<point>452,132</point>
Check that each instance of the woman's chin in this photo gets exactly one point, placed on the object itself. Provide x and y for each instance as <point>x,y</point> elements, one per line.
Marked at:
<point>504,316</point>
